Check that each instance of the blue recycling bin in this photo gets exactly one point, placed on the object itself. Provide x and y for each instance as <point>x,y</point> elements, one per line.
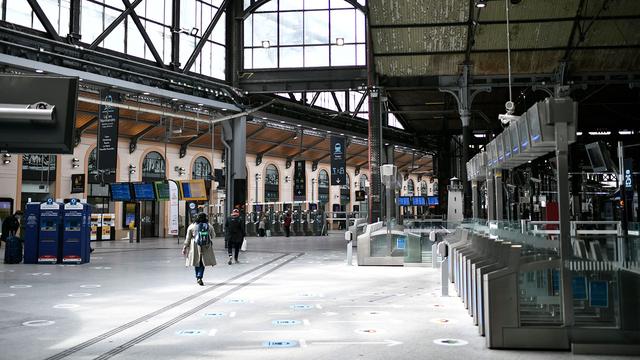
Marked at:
<point>75,237</point>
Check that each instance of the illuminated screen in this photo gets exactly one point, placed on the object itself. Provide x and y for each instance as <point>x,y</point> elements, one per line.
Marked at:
<point>433,201</point>
<point>120,192</point>
<point>193,190</point>
<point>419,201</point>
<point>144,191</point>
<point>403,201</point>
<point>162,189</point>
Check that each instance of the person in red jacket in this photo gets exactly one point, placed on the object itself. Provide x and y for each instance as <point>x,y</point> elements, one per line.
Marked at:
<point>287,224</point>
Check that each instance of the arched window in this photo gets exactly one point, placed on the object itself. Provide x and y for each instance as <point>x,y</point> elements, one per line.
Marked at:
<point>423,188</point>
<point>323,186</point>
<point>296,33</point>
<point>345,191</point>
<point>201,169</point>
<point>153,167</point>
<point>363,181</point>
<point>410,187</point>
<point>271,184</point>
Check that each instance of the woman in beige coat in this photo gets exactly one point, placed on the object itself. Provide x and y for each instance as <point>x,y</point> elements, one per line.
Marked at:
<point>199,256</point>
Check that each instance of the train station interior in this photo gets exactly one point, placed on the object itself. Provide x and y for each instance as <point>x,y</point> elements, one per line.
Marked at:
<point>407,179</point>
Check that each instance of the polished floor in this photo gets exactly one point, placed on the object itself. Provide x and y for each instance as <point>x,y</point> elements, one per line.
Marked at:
<point>289,298</point>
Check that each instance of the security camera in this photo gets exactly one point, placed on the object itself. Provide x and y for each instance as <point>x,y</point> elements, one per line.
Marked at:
<point>510,107</point>
<point>40,112</point>
<point>506,119</point>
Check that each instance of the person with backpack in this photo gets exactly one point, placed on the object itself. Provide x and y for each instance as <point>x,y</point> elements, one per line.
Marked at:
<point>10,225</point>
<point>234,234</point>
<point>198,246</point>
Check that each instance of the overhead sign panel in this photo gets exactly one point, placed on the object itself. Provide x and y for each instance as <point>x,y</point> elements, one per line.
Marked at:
<point>338,160</point>
<point>108,137</point>
<point>299,181</point>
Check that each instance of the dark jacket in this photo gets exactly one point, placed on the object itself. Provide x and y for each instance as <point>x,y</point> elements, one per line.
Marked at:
<point>10,226</point>
<point>234,230</point>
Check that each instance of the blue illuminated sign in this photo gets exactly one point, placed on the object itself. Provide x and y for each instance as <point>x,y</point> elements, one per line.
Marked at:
<point>401,243</point>
<point>579,287</point>
<point>403,201</point>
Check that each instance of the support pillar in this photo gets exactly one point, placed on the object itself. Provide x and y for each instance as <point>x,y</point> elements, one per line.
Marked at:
<point>239,161</point>
<point>74,21</point>
<point>499,195</point>
<point>475,203</point>
<point>375,154</point>
<point>465,117</point>
<point>491,196</point>
<point>175,36</point>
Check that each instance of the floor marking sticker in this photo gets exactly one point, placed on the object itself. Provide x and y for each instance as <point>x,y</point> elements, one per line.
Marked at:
<point>20,286</point>
<point>235,301</point>
<point>214,314</point>
<point>79,295</point>
<point>301,307</point>
<point>232,314</point>
<point>189,332</point>
<point>442,321</point>
<point>66,306</point>
<point>4,295</point>
<point>286,322</point>
<point>369,331</point>
<point>38,323</point>
<point>280,344</point>
<point>90,286</point>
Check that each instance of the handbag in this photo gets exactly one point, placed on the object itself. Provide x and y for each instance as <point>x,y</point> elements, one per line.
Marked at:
<point>244,245</point>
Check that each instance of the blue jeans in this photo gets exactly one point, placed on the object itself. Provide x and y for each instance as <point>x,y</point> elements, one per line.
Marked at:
<point>199,271</point>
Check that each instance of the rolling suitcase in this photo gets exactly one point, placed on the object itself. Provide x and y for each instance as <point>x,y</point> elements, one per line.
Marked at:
<point>13,250</point>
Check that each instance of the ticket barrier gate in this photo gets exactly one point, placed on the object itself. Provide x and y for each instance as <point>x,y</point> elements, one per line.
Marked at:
<point>512,290</point>
<point>50,232</point>
<point>76,247</point>
<point>32,229</point>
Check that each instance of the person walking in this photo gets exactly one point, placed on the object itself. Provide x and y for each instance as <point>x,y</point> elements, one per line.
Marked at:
<point>234,234</point>
<point>262,226</point>
<point>199,246</point>
<point>287,224</point>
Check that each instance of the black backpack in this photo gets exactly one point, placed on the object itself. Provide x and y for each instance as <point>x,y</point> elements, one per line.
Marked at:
<point>202,235</point>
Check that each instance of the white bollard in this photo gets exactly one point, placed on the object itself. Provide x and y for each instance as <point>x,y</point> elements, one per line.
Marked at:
<point>444,280</point>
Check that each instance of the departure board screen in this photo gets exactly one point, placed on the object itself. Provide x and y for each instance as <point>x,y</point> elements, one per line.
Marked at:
<point>433,201</point>
<point>162,190</point>
<point>193,190</point>
<point>120,192</point>
<point>419,201</point>
<point>144,191</point>
<point>403,201</point>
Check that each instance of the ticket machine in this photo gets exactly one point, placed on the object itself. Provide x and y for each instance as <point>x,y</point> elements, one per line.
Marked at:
<point>31,232</point>
<point>50,232</point>
<point>76,235</point>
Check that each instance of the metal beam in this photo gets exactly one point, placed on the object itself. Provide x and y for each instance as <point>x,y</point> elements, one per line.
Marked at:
<point>79,131</point>
<point>133,143</point>
<point>314,99</point>
<point>360,103</point>
<point>113,25</point>
<point>145,36</point>
<point>307,148</point>
<point>574,30</point>
<point>185,145</point>
<point>256,4</point>
<point>471,29</point>
<point>322,157</point>
<point>256,131</point>
<point>205,36</point>
<point>493,51</point>
<point>335,101</point>
<point>300,80</point>
<point>51,31</point>
<point>280,143</point>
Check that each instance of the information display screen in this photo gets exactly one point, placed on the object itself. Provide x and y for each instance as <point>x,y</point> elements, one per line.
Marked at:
<point>403,201</point>
<point>144,191</point>
<point>433,200</point>
<point>162,190</point>
<point>419,201</point>
<point>120,192</point>
<point>193,190</point>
